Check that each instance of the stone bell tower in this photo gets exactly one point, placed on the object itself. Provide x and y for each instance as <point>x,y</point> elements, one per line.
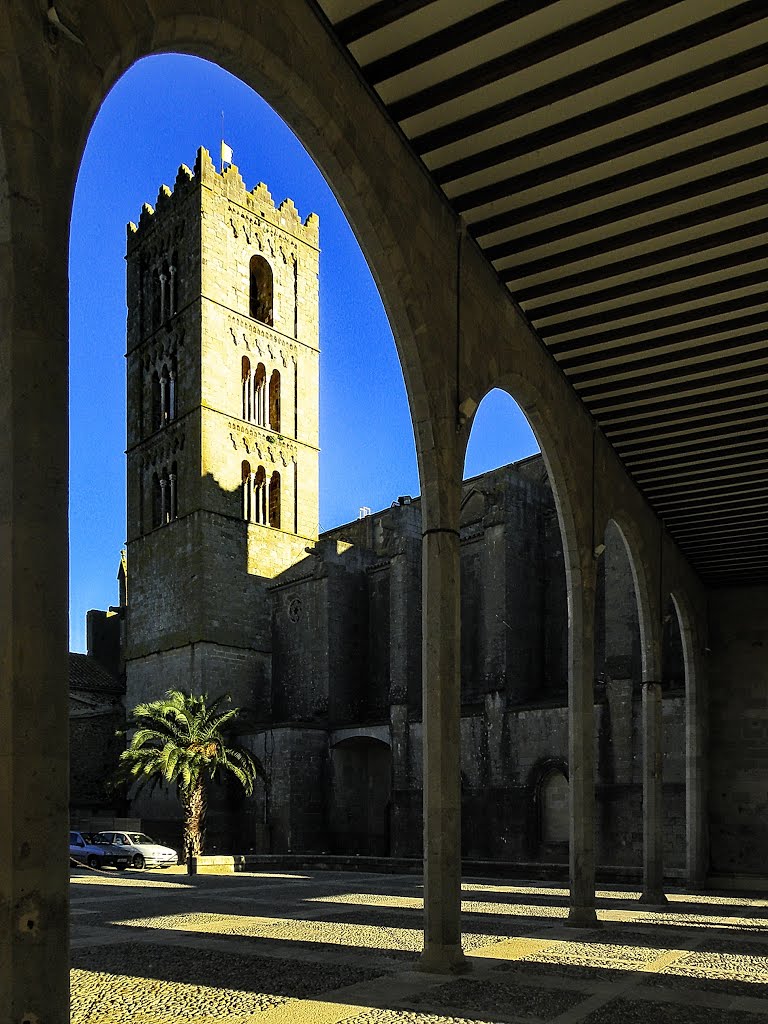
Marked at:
<point>222,369</point>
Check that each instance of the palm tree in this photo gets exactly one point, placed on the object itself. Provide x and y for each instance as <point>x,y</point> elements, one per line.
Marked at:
<point>182,739</point>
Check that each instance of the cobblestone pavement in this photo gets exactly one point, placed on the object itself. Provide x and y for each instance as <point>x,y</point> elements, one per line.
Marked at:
<point>341,948</point>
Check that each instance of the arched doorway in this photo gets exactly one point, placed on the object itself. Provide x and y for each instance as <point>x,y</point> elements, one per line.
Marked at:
<point>361,800</point>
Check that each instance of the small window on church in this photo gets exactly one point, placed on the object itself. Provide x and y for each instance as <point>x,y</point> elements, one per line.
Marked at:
<point>274,500</point>
<point>261,290</point>
<point>553,796</point>
<point>274,400</point>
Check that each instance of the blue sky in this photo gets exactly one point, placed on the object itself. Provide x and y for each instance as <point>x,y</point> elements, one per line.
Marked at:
<point>153,120</point>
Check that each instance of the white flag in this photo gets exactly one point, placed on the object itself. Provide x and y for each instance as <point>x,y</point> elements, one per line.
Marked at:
<point>226,153</point>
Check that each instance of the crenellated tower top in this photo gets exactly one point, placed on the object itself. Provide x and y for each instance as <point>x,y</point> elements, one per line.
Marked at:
<point>229,183</point>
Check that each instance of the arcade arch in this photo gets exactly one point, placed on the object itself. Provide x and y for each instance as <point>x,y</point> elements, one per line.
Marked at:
<point>51,98</point>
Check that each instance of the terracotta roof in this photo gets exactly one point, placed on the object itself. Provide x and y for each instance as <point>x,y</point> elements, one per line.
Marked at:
<point>86,673</point>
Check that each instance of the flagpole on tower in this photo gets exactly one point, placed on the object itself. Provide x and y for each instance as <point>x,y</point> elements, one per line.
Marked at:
<point>221,147</point>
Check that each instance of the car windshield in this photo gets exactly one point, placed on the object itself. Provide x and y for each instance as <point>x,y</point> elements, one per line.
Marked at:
<point>139,837</point>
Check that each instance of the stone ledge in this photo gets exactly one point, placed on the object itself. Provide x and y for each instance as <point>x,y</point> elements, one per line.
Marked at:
<point>541,871</point>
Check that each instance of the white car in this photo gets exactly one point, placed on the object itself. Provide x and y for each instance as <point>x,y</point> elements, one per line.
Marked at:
<point>143,851</point>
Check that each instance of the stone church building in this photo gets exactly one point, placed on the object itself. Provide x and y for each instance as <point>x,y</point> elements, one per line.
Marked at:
<point>230,589</point>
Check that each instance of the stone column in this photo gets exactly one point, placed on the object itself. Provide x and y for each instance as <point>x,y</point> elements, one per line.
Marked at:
<point>34,695</point>
<point>442,773</point>
<point>581,747</point>
<point>163,307</point>
<point>696,838</point>
<point>653,796</point>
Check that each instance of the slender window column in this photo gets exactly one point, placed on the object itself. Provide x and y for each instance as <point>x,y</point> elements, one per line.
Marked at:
<point>172,291</point>
<point>163,399</point>
<point>653,795</point>
<point>171,395</point>
<point>442,774</point>
<point>172,487</point>
<point>163,304</point>
<point>581,747</point>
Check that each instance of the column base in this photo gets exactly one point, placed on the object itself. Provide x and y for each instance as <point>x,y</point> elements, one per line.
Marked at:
<point>649,898</point>
<point>582,917</point>
<point>443,960</point>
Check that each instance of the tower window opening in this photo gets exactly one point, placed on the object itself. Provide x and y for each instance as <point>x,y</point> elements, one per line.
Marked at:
<point>155,288</point>
<point>156,501</point>
<point>260,497</point>
<point>274,500</point>
<point>247,389</point>
<point>164,277</point>
<point>261,288</point>
<point>260,396</point>
<point>157,420</point>
<point>164,496</point>
<point>172,391</point>
<point>295,299</point>
<point>173,284</point>
<point>173,509</point>
<point>163,396</point>
<point>247,490</point>
<point>165,390</point>
<point>274,400</point>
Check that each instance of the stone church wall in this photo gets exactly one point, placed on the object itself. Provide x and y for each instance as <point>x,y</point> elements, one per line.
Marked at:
<point>738,730</point>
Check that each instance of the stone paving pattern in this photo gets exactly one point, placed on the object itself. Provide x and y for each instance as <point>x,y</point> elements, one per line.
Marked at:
<point>341,948</point>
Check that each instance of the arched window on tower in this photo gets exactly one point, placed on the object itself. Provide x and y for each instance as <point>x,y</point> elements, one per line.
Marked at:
<point>295,299</point>
<point>157,419</point>
<point>260,496</point>
<point>165,276</point>
<point>157,508</point>
<point>173,285</point>
<point>247,490</point>
<point>247,390</point>
<point>274,500</point>
<point>165,393</point>
<point>155,297</point>
<point>172,390</point>
<point>260,396</point>
<point>274,400</point>
<point>173,501</point>
<point>165,496</point>
<point>260,307</point>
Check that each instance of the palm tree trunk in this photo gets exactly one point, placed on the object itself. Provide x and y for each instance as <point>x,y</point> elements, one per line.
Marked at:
<point>195,810</point>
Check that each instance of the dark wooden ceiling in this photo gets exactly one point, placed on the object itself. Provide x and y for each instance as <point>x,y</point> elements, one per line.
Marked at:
<point>610,159</point>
